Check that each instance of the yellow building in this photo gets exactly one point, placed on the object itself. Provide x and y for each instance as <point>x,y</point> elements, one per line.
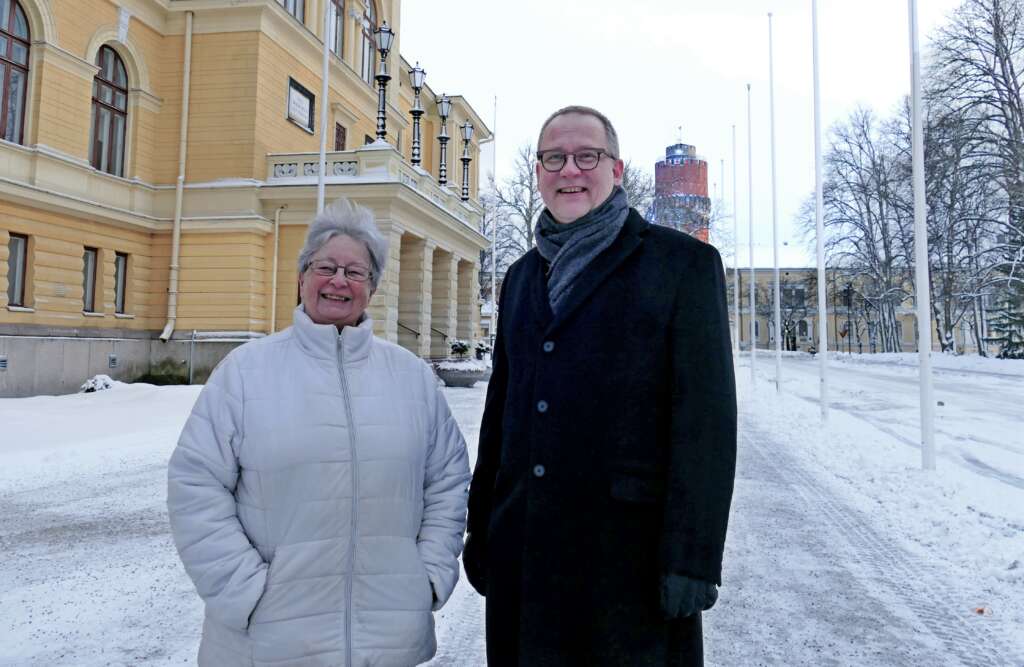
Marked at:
<point>854,323</point>
<point>158,168</point>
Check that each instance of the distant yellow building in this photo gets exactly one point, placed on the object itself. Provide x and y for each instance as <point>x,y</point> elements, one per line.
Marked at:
<point>134,132</point>
<point>855,322</point>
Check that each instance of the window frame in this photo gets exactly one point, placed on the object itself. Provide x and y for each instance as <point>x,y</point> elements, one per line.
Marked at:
<point>99,83</point>
<point>340,133</point>
<point>120,283</point>
<point>297,87</point>
<point>296,8</point>
<point>338,42</point>
<point>368,24</point>
<point>8,65</point>
<point>89,290</point>
<point>21,275</point>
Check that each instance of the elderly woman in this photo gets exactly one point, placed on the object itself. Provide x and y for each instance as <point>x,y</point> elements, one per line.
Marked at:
<point>317,495</point>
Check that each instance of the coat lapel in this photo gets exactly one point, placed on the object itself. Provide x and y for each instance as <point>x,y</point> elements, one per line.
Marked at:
<point>603,265</point>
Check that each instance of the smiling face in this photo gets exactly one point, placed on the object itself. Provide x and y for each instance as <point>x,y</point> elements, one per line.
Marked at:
<point>336,300</point>
<point>571,193</point>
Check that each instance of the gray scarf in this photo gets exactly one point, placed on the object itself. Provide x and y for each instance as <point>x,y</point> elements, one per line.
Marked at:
<point>569,248</point>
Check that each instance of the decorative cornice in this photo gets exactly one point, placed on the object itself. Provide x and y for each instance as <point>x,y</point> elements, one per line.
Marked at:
<point>52,54</point>
<point>145,100</point>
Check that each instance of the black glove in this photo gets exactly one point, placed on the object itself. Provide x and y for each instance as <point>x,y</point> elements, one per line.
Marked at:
<point>473,560</point>
<point>682,596</point>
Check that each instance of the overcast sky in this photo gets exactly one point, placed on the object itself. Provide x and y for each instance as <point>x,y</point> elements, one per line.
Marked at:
<point>661,64</point>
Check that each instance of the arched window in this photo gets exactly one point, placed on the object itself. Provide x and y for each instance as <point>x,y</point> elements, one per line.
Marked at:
<point>369,46</point>
<point>14,42</point>
<point>337,23</point>
<point>109,112</point>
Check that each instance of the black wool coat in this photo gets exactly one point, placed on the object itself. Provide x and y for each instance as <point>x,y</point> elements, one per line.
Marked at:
<point>607,454</point>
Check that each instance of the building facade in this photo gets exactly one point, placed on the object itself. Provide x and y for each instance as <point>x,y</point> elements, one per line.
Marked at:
<point>158,170</point>
<point>856,322</point>
<point>681,191</point>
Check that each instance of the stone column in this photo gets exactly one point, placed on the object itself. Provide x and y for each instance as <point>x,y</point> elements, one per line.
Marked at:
<point>384,304</point>
<point>469,302</point>
<point>444,302</point>
<point>414,294</point>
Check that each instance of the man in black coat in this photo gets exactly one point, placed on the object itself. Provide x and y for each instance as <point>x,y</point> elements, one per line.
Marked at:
<point>599,503</point>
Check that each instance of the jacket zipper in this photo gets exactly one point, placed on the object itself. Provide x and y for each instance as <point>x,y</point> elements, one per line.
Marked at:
<point>354,462</point>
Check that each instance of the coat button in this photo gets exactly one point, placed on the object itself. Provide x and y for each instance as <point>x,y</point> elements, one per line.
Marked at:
<point>538,470</point>
<point>542,406</point>
<point>549,346</point>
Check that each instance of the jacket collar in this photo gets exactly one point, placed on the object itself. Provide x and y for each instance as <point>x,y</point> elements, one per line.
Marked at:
<point>322,340</point>
<point>599,269</point>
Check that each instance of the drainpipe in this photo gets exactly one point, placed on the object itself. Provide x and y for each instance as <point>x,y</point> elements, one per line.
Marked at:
<point>273,276</point>
<point>172,286</point>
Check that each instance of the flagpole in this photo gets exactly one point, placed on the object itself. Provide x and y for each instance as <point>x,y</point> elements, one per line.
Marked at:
<point>324,106</point>
<point>494,225</point>
<point>819,224</point>
<point>775,213</point>
<point>924,320</point>
<point>750,218</point>
<point>735,251</point>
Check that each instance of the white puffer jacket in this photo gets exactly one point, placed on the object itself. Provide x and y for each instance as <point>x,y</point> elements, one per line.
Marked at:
<point>316,496</point>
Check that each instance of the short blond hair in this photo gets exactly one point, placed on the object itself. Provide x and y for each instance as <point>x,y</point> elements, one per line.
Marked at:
<point>609,130</point>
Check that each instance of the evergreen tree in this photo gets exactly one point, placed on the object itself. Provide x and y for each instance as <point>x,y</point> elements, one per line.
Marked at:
<point>1006,326</point>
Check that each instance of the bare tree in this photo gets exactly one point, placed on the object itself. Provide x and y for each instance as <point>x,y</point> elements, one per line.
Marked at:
<point>978,58</point>
<point>792,307</point>
<point>639,186</point>
<point>517,202</point>
<point>867,215</point>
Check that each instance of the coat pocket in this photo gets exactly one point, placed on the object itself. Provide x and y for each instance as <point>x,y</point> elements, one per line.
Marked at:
<point>634,486</point>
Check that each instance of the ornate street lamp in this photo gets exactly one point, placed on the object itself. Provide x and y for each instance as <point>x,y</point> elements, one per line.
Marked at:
<point>467,134</point>
<point>416,76</point>
<point>385,36</point>
<point>444,107</point>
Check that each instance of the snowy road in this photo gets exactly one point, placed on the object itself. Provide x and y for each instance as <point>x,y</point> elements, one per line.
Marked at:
<point>810,580</point>
<point>971,425</point>
<point>840,551</point>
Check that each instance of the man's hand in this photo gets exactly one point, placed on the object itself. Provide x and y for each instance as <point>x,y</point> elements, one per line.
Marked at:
<point>473,561</point>
<point>682,596</point>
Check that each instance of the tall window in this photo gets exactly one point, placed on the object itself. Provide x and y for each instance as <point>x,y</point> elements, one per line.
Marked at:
<point>296,8</point>
<point>109,112</point>
<point>120,281</point>
<point>14,43</point>
<point>89,280</point>
<point>17,252</point>
<point>369,45</point>
<point>337,23</point>
<point>339,137</point>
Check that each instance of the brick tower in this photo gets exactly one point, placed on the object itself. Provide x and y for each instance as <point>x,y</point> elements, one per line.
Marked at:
<point>681,191</point>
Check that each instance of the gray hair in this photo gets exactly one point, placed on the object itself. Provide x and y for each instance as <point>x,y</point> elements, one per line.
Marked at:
<point>343,218</point>
<point>610,134</point>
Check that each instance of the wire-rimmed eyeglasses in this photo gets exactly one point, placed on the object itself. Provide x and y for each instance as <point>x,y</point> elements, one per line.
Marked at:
<point>327,269</point>
<point>585,159</point>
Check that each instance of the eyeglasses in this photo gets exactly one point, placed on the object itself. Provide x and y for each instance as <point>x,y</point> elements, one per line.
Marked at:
<point>327,269</point>
<point>585,158</point>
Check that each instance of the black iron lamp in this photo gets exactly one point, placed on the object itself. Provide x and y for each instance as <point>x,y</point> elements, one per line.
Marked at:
<point>385,37</point>
<point>467,135</point>
<point>416,77</point>
<point>444,107</point>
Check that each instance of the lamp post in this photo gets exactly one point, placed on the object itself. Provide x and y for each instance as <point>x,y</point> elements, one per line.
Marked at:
<point>385,36</point>
<point>467,134</point>
<point>444,107</point>
<point>848,295</point>
<point>416,77</point>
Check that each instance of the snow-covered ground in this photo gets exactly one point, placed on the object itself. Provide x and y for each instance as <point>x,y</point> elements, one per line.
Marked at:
<point>841,550</point>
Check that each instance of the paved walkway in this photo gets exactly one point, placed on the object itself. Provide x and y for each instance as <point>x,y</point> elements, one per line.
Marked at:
<point>809,581</point>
